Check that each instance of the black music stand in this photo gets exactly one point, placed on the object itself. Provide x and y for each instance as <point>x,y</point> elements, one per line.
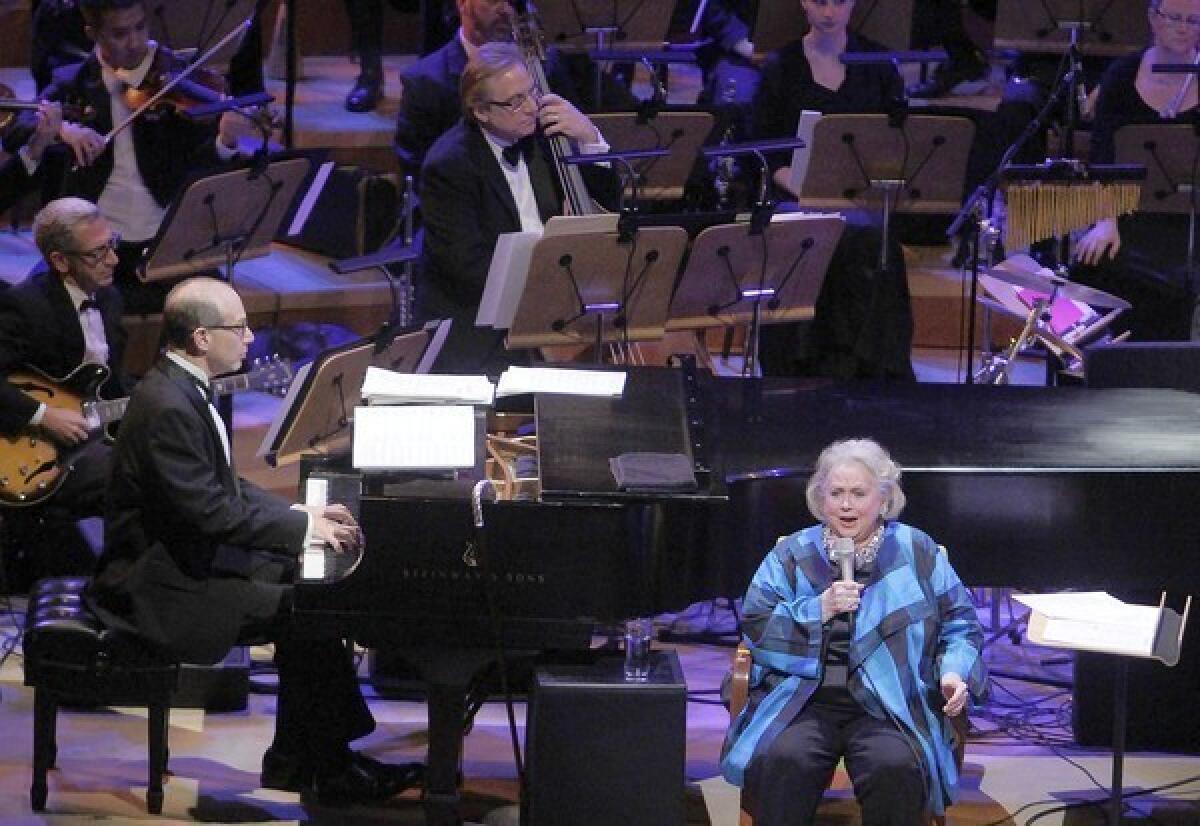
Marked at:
<point>680,132</point>
<point>914,166</point>
<point>591,287</point>
<point>1171,155</point>
<point>735,276</point>
<point>224,217</point>
<point>601,23</point>
<point>1105,28</point>
<point>316,416</point>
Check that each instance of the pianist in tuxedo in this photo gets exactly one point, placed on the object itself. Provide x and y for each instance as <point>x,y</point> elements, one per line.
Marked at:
<point>490,174</point>
<point>197,559</point>
<point>866,669</point>
<point>66,313</point>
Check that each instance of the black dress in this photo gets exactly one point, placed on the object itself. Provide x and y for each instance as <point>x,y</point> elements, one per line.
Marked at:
<point>1150,269</point>
<point>863,322</point>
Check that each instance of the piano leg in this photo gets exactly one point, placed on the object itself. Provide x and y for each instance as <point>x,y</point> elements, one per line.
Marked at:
<point>447,675</point>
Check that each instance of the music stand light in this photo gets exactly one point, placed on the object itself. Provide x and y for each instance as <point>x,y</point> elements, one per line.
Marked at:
<point>680,132</point>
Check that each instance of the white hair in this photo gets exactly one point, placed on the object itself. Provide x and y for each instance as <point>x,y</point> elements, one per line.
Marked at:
<point>869,454</point>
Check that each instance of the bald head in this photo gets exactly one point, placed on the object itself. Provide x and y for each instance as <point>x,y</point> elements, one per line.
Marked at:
<point>204,322</point>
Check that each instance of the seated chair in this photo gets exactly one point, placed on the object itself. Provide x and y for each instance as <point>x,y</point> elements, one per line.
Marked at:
<point>70,657</point>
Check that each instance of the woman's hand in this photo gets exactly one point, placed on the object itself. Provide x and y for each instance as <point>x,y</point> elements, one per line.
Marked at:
<point>954,690</point>
<point>1102,240</point>
<point>839,597</point>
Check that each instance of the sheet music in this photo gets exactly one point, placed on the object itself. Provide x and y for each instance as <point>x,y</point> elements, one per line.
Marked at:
<point>383,387</point>
<point>414,437</point>
<point>1095,621</point>
<point>805,128</point>
<point>517,380</point>
<point>506,279</point>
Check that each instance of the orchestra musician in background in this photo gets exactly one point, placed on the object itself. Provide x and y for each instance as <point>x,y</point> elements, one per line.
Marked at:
<point>65,314</point>
<point>197,560</point>
<point>863,323</point>
<point>430,100</point>
<point>133,176</point>
<point>863,664</point>
<point>489,174</point>
<point>1141,257</point>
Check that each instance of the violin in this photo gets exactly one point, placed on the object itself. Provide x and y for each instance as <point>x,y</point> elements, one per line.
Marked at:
<point>171,85</point>
<point>10,106</point>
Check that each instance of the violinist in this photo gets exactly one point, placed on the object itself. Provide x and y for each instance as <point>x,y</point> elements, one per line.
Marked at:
<point>488,175</point>
<point>133,176</point>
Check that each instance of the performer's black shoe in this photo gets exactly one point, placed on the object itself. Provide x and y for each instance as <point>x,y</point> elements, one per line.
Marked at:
<point>285,772</point>
<point>367,91</point>
<point>364,780</point>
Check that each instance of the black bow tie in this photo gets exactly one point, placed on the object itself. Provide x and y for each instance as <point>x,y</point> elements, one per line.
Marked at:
<point>88,304</point>
<point>523,147</point>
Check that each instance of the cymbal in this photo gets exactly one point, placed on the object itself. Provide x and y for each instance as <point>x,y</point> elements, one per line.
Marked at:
<point>1023,272</point>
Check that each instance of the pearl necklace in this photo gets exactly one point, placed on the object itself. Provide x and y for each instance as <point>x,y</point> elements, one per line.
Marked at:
<point>864,554</point>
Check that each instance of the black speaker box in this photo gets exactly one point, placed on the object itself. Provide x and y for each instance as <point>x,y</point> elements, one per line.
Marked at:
<point>603,751</point>
<point>1172,364</point>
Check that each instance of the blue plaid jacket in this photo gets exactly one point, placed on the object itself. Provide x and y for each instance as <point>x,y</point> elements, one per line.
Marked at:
<point>916,622</point>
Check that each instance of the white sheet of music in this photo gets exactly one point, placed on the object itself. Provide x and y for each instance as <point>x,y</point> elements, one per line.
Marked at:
<point>506,279</point>
<point>414,437</point>
<point>312,563</point>
<point>805,128</point>
<point>1095,621</point>
<point>516,380</point>
<point>389,387</point>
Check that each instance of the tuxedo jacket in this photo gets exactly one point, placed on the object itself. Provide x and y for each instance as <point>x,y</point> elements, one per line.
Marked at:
<point>168,146</point>
<point>182,530</point>
<point>39,327</point>
<point>430,102</point>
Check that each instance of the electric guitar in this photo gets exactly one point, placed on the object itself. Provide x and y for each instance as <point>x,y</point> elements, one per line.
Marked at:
<point>33,466</point>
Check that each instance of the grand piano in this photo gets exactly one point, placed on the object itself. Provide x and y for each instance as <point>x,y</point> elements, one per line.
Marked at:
<point>1030,487</point>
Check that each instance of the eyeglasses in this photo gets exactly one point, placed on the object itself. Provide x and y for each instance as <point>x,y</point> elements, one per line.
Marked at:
<point>1177,19</point>
<point>514,103</point>
<point>96,255</point>
<point>240,329</point>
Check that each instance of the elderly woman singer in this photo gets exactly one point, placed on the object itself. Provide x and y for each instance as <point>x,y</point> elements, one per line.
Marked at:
<point>867,670</point>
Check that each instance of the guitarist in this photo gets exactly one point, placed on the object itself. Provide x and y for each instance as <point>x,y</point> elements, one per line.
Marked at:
<point>64,314</point>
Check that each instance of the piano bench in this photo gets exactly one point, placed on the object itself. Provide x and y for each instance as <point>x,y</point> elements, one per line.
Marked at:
<point>71,658</point>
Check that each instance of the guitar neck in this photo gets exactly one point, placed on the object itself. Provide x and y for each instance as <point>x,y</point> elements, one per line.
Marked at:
<point>106,411</point>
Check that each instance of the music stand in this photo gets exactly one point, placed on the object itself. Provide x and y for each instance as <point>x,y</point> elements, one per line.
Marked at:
<point>734,276</point>
<point>584,24</point>
<point>224,217</point>
<point>316,415</point>
<point>591,287</point>
<point>886,22</point>
<point>681,132</point>
<point>1171,155</point>
<point>184,27</point>
<point>916,166</point>
<point>1106,28</point>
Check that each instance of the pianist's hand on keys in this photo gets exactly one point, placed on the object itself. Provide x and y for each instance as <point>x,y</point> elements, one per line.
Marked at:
<point>333,525</point>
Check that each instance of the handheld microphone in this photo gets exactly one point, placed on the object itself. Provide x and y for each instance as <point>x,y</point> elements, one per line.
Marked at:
<point>842,553</point>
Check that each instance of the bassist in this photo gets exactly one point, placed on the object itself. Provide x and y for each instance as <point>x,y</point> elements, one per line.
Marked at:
<point>66,313</point>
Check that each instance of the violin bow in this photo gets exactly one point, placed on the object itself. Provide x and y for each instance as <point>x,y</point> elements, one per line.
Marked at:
<point>236,31</point>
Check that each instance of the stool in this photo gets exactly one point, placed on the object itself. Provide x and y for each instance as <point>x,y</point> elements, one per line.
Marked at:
<point>70,657</point>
